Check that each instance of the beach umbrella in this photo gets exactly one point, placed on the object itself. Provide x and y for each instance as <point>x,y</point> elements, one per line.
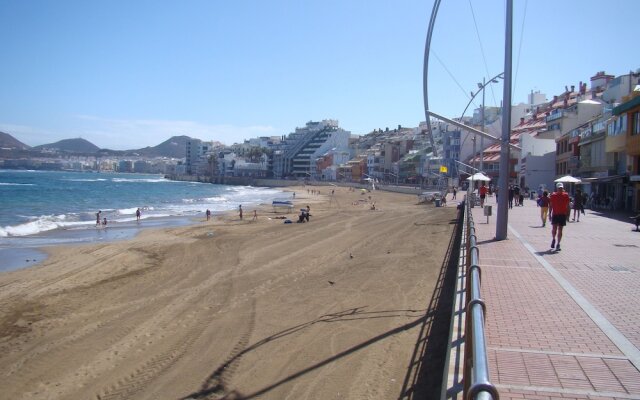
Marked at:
<point>568,179</point>
<point>479,176</point>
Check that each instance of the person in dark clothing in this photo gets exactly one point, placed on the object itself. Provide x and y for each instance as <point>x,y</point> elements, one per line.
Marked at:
<point>578,205</point>
<point>511,194</point>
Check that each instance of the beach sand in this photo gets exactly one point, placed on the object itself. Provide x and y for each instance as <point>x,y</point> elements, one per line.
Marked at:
<point>331,309</point>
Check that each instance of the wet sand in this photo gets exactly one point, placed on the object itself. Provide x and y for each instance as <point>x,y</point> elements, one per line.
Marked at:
<point>226,308</point>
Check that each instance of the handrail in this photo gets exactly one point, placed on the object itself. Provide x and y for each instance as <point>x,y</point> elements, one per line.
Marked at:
<point>477,385</point>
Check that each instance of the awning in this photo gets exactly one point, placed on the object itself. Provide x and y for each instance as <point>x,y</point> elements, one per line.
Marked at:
<point>603,179</point>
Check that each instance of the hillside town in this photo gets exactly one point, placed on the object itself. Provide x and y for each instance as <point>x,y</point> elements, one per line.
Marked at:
<point>589,130</point>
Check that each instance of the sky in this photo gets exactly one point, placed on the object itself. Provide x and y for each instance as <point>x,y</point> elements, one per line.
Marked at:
<point>129,74</point>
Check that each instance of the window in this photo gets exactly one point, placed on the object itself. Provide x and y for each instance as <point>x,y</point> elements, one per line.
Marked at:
<point>618,126</point>
<point>635,129</point>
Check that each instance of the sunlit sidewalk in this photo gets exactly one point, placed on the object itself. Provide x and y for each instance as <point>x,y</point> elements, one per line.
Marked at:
<point>561,324</point>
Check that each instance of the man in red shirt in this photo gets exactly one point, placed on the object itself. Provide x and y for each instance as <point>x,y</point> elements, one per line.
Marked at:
<point>559,202</point>
<point>483,194</point>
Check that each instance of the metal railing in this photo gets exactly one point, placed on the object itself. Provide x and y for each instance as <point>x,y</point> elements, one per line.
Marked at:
<point>476,366</point>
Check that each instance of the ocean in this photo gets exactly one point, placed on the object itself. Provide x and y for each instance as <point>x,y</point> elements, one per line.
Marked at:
<point>45,208</point>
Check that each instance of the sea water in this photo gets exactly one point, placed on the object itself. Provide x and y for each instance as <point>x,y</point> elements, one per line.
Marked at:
<point>43,208</point>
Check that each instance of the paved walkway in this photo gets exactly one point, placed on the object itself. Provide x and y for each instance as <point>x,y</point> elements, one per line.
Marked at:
<point>561,324</point>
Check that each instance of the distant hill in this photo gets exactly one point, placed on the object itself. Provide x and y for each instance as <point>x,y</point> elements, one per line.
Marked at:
<point>174,147</point>
<point>9,142</point>
<point>78,145</point>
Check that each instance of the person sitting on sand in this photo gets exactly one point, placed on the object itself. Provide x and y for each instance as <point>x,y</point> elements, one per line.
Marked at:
<point>636,222</point>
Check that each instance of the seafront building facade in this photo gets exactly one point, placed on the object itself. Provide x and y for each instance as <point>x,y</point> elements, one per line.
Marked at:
<point>590,133</point>
<point>296,156</point>
<point>584,132</point>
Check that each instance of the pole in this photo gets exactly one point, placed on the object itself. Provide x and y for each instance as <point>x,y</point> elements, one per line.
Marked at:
<point>502,219</point>
<point>474,152</point>
<point>425,73</point>
<point>484,85</point>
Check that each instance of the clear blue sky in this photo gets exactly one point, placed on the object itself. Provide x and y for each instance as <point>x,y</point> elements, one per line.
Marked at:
<point>129,74</point>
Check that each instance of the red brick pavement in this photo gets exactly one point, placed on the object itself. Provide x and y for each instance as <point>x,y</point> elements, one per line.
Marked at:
<point>547,340</point>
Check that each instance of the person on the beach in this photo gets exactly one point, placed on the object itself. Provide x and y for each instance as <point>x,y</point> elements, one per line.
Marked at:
<point>240,210</point>
<point>559,202</point>
<point>302,216</point>
<point>543,202</point>
<point>483,194</point>
<point>98,218</point>
<point>578,205</point>
<point>104,222</point>
<point>138,214</point>
<point>208,213</point>
<point>636,222</point>
<point>294,195</point>
<point>255,215</point>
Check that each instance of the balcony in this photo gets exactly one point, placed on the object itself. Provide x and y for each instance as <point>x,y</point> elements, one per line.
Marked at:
<point>557,114</point>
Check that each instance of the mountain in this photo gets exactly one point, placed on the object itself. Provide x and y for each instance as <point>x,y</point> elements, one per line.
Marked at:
<point>78,145</point>
<point>174,147</point>
<point>9,142</point>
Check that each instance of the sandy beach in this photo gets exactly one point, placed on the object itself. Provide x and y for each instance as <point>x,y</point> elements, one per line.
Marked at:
<point>239,309</point>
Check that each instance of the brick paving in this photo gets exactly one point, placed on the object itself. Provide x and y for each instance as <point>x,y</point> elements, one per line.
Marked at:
<point>560,325</point>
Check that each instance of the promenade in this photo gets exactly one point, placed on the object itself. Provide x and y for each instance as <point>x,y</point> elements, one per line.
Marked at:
<point>559,324</point>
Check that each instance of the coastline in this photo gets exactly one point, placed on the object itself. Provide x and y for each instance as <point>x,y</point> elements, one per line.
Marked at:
<point>331,308</point>
<point>18,252</point>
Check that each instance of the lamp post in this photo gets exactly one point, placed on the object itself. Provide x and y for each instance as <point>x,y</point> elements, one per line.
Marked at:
<point>502,217</point>
<point>481,88</point>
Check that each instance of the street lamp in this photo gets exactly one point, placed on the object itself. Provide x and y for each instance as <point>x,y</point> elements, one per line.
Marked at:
<point>481,88</point>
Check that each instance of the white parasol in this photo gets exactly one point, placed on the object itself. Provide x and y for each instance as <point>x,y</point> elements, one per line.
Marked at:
<point>568,179</point>
<point>479,176</point>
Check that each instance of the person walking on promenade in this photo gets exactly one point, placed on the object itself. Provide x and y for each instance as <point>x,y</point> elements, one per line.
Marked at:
<point>455,191</point>
<point>543,202</point>
<point>559,202</point>
<point>516,195</point>
<point>578,205</point>
<point>483,194</point>
<point>511,193</point>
